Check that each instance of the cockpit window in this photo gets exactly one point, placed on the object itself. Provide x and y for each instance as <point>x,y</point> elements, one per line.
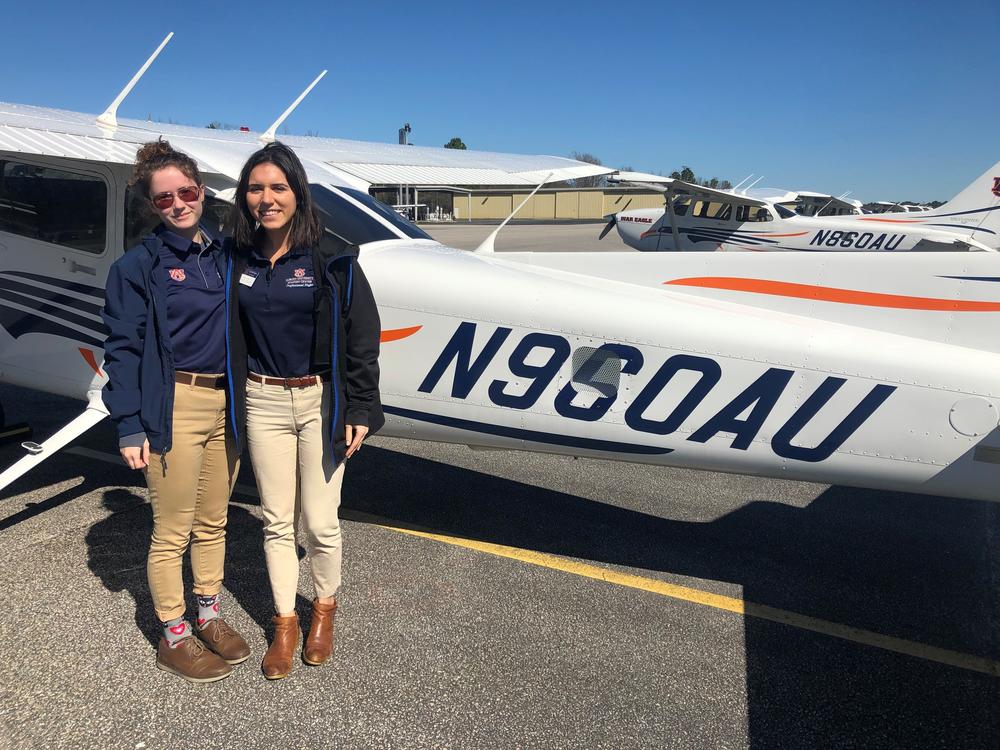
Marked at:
<point>355,226</point>
<point>53,205</point>
<point>387,212</point>
<point>783,212</point>
<point>712,210</point>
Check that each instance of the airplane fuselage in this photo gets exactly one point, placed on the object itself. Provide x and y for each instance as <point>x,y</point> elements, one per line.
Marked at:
<point>651,230</point>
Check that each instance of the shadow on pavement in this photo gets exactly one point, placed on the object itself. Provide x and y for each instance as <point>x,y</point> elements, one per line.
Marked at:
<point>920,568</point>
<point>910,566</point>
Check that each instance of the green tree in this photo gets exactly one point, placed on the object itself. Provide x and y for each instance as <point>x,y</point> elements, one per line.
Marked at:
<point>594,181</point>
<point>456,142</point>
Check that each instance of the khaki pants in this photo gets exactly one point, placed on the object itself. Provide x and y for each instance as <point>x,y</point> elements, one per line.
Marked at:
<point>293,461</point>
<point>189,490</point>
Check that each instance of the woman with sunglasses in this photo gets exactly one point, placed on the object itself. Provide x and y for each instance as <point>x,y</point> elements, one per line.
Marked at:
<point>312,333</point>
<point>172,370</point>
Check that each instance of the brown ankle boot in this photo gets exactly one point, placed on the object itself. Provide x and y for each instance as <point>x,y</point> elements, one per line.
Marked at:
<point>319,642</point>
<point>278,659</point>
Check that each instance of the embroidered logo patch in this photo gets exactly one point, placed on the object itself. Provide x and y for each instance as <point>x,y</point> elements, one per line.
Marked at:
<point>299,280</point>
<point>996,186</point>
<point>177,274</point>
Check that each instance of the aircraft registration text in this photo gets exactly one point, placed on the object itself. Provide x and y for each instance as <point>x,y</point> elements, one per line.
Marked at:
<point>743,416</point>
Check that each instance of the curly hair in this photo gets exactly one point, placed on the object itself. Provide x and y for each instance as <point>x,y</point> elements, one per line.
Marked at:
<point>156,155</point>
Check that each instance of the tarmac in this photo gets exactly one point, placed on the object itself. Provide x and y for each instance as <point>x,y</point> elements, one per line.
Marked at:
<point>516,600</point>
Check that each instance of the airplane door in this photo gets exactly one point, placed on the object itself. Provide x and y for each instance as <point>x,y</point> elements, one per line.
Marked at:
<point>59,235</point>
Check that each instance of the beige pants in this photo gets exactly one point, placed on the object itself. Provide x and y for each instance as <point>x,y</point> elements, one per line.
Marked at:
<point>189,490</point>
<point>294,465</point>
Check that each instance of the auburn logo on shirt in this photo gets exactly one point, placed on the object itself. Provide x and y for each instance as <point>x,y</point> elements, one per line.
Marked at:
<point>177,274</point>
<point>299,273</point>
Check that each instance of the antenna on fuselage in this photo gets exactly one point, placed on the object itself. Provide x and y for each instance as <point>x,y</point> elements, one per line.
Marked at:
<point>752,184</point>
<point>268,135</point>
<point>487,244</point>
<point>110,116</point>
<point>737,186</point>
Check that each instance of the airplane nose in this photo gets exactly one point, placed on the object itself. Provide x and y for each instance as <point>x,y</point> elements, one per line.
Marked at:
<point>612,219</point>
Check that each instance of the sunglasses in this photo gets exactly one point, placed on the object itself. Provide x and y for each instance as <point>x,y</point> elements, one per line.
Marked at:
<point>187,194</point>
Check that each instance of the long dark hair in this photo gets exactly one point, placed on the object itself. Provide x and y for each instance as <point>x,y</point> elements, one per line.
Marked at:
<point>306,229</point>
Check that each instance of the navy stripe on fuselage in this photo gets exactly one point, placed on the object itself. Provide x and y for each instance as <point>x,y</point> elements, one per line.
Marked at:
<point>533,436</point>
<point>91,291</point>
<point>30,290</point>
<point>91,326</point>
<point>20,322</point>
<point>962,226</point>
<point>972,278</point>
<point>964,213</point>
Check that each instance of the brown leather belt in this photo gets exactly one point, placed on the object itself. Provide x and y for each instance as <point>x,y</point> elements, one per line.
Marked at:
<point>205,381</point>
<point>303,382</point>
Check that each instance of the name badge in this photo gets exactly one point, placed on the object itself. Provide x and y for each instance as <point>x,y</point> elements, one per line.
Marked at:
<point>248,278</point>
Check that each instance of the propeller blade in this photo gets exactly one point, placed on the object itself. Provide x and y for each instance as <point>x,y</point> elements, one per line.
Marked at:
<point>610,225</point>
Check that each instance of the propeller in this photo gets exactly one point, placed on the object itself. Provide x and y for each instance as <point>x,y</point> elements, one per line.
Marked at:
<point>612,219</point>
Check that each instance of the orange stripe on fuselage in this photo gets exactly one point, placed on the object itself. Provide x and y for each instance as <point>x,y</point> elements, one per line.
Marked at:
<point>396,334</point>
<point>91,360</point>
<point>832,294</point>
<point>894,221</point>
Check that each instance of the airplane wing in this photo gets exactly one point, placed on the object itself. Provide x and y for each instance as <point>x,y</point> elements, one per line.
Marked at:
<point>51,132</point>
<point>675,187</point>
<point>679,186</point>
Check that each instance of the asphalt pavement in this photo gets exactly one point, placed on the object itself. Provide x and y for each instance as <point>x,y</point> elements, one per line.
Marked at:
<point>549,603</point>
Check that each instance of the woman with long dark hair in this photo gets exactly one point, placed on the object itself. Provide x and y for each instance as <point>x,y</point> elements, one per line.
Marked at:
<point>176,367</point>
<point>312,331</point>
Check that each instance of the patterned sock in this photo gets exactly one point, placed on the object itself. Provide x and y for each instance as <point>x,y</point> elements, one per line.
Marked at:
<point>208,609</point>
<point>175,631</point>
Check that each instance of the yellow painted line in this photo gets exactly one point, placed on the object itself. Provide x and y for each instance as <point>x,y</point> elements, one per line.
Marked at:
<point>727,603</point>
<point>663,588</point>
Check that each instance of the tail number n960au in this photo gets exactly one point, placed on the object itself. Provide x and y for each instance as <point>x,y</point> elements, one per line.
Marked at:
<point>742,417</point>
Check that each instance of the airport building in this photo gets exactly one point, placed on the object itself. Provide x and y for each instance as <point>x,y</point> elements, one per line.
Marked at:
<point>495,202</point>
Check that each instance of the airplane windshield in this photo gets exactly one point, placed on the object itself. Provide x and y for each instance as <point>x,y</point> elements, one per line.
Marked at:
<point>356,226</point>
<point>783,212</point>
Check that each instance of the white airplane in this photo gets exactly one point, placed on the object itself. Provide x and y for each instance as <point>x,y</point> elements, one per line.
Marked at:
<point>696,218</point>
<point>851,368</point>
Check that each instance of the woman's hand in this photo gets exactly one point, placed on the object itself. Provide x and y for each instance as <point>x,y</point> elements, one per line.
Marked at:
<point>136,458</point>
<point>354,433</point>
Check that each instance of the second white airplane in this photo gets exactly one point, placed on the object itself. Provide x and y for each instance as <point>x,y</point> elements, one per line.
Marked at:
<point>697,218</point>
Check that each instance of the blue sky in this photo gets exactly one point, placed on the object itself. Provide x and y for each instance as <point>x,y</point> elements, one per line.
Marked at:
<point>893,100</point>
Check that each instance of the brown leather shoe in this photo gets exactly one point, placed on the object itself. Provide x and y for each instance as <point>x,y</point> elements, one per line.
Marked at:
<point>278,659</point>
<point>319,642</point>
<point>224,641</point>
<point>191,660</point>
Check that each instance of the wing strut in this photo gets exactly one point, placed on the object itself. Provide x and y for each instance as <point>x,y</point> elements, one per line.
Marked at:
<point>94,413</point>
<point>110,116</point>
<point>268,135</point>
<point>673,218</point>
<point>487,244</point>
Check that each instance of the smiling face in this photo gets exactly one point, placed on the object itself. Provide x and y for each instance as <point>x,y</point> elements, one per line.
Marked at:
<point>180,215</point>
<point>270,198</point>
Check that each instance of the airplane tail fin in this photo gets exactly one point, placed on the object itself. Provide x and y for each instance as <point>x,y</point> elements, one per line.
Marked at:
<point>976,208</point>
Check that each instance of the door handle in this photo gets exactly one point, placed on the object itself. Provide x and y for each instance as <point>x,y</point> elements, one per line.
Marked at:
<point>80,268</point>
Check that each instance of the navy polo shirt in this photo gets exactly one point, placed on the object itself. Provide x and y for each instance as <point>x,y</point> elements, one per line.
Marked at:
<point>196,302</point>
<point>276,304</point>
